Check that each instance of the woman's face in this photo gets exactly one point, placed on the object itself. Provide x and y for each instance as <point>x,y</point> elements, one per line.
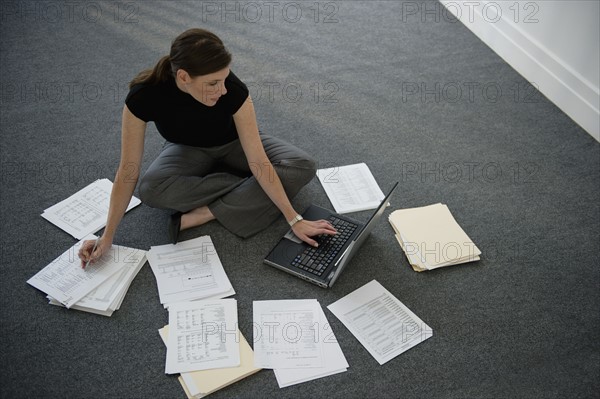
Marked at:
<point>206,89</point>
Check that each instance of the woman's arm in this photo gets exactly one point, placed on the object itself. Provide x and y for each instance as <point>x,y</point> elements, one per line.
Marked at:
<point>133,131</point>
<point>265,174</point>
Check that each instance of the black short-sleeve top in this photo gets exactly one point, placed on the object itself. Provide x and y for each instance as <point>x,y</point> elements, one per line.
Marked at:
<point>181,119</point>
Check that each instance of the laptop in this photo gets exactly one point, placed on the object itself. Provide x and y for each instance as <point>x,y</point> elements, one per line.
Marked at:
<point>323,265</point>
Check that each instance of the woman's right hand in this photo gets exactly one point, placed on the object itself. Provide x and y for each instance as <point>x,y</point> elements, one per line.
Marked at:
<point>86,254</point>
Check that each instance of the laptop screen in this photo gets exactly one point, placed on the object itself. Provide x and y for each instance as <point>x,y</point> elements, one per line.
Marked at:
<point>366,230</point>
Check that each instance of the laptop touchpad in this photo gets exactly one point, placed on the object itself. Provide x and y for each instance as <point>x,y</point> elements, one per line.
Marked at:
<point>292,237</point>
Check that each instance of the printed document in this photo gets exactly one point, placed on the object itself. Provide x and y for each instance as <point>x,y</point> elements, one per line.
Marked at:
<point>65,280</point>
<point>351,188</point>
<point>382,324</point>
<point>188,270</point>
<point>86,211</point>
<point>203,335</point>
<point>286,334</point>
<point>333,359</point>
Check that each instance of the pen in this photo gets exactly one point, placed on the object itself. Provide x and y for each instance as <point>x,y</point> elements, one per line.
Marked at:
<point>93,249</point>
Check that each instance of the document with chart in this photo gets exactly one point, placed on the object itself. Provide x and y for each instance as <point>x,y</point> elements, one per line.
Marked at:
<point>351,188</point>
<point>86,211</point>
<point>189,270</point>
<point>383,324</point>
<point>203,335</point>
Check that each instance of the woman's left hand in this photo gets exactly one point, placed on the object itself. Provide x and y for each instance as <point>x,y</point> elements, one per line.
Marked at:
<point>305,229</point>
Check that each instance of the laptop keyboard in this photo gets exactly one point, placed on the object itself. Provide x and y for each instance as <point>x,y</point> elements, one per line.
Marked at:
<point>315,260</point>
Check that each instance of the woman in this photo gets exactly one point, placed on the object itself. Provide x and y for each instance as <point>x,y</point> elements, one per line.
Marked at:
<point>215,164</point>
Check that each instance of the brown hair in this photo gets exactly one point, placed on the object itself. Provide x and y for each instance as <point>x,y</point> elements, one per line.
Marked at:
<point>196,51</point>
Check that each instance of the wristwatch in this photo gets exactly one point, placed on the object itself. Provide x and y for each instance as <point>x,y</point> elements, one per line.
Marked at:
<point>295,220</point>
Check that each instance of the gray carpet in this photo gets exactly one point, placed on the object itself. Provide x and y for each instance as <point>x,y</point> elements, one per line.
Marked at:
<point>423,103</point>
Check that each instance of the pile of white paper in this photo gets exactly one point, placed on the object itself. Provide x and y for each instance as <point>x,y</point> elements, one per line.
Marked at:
<point>86,211</point>
<point>383,324</point>
<point>203,342</point>
<point>100,288</point>
<point>431,237</point>
<point>189,270</point>
<point>294,338</point>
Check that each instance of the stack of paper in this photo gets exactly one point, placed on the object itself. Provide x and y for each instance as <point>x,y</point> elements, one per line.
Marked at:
<point>294,338</point>
<point>203,342</point>
<point>383,324</point>
<point>189,270</point>
<point>198,384</point>
<point>86,211</point>
<point>100,288</point>
<point>351,188</point>
<point>431,238</point>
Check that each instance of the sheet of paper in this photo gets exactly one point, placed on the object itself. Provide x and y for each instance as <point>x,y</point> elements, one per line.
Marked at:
<point>65,280</point>
<point>285,334</point>
<point>382,324</point>
<point>188,270</point>
<point>351,188</point>
<point>202,335</point>
<point>334,359</point>
<point>220,295</point>
<point>84,212</point>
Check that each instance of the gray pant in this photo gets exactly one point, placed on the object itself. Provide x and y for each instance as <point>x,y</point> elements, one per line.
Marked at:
<point>183,178</point>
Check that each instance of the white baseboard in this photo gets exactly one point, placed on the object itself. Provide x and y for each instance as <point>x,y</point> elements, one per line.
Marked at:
<point>554,78</point>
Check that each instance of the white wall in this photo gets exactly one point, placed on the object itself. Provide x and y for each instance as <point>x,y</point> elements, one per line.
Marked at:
<point>552,44</point>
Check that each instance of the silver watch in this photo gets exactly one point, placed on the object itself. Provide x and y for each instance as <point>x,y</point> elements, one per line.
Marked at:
<point>295,220</point>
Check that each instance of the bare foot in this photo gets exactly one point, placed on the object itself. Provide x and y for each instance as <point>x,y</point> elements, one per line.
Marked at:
<point>196,217</point>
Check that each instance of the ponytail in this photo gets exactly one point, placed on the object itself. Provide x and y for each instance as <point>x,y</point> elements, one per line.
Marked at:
<point>196,51</point>
<point>160,73</point>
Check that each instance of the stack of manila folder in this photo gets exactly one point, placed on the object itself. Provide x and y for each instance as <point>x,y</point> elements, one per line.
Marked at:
<point>431,238</point>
